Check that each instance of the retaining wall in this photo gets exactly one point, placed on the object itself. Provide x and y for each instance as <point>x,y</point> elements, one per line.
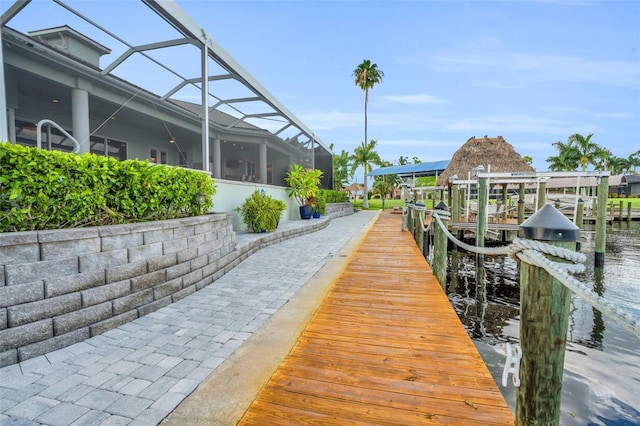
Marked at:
<point>60,287</point>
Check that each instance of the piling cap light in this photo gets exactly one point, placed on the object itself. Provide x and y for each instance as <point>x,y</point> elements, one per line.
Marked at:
<point>442,206</point>
<point>548,224</point>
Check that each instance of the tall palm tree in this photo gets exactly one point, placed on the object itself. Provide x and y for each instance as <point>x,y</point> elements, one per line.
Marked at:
<point>634,160</point>
<point>367,75</point>
<point>567,159</point>
<point>365,155</point>
<point>340,170</point>
<point>589,151</point>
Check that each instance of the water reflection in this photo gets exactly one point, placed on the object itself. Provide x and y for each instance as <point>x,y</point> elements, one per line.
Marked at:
<point>602,362</point>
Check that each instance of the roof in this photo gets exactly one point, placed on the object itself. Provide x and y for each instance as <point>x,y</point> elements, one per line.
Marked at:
<point>494,154</point>
<point>632,179</point>
<point>432,168</point>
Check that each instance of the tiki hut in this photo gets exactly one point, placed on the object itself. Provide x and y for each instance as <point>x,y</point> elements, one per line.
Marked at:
<point>485,151</point>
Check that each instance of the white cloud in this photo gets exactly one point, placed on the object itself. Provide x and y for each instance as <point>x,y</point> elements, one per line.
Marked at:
<point>515,67</point>
<point>325,120</point>
<point>414,99</point>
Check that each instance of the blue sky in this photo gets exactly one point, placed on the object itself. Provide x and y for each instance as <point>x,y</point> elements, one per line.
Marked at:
<point>533,72</point>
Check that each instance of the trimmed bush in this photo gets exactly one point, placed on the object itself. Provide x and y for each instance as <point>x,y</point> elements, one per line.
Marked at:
<point>261,212</point>
<point>331,196</point>
<point>42,189</point>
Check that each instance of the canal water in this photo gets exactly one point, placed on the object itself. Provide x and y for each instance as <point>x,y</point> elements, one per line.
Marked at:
<point>601,382</point>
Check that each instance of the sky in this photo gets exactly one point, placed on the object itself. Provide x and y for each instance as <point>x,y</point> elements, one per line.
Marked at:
<point>533,72</point>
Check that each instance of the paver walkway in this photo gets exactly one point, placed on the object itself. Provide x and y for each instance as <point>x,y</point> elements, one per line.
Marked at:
<point>138,373</point>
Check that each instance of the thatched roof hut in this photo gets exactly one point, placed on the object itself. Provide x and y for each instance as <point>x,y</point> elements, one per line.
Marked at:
<point>485,151</point>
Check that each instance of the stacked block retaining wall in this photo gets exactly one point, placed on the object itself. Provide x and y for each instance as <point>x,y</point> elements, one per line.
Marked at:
<point>60,287</point>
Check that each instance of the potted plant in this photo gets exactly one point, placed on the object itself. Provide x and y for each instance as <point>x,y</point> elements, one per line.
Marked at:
<point>261,213</point>
<point>303,186</point>
<point>319,204</point>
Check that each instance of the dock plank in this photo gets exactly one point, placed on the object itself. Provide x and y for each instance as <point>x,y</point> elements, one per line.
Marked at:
<point>385,348</point>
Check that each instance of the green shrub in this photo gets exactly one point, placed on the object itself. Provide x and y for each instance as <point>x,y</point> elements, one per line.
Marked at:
<point>261,212</point>
<point>42,189</point>
<point>319,203</point>
<point>332,196</point>
<point>614,195</point>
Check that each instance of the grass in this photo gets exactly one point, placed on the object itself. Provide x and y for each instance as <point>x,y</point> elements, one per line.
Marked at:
<point>635,202</point>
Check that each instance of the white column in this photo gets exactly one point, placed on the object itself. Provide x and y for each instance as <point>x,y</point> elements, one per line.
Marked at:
<point>3,99</point>
<point>80,118</point>
<point>217,160</point>
<point>205,104</point>
<point>263,162</point>
<point>12,124</point>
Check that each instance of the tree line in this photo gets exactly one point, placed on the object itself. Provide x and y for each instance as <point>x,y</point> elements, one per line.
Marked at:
<point>581,152</point>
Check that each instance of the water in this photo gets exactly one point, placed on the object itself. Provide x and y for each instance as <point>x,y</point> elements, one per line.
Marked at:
<point>601,383</point>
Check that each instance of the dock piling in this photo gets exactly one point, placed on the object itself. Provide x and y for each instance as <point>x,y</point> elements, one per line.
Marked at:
<point>601,221</point>
<point>544,319</point>
<point>440,242</point>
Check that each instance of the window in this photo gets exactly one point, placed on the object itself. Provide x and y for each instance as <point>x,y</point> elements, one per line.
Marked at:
<point>157,156</point>
<point>52,138</point>
<point>109,147</point>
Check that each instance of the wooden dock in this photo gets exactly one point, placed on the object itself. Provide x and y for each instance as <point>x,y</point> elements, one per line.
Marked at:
<point>384,348</point>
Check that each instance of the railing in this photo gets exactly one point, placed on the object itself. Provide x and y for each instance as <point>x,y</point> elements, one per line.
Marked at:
<point>538,399</point>
<point>54,124</point>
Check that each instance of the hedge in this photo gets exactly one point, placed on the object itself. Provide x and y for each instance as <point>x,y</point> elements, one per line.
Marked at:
<point>332,196</point>
<point>42,189</point>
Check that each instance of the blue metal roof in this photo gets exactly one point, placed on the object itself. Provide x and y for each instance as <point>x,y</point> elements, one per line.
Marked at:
<point>432,168</point>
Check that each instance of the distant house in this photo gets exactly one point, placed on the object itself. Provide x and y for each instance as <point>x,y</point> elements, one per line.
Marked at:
<point>628,185</point>
<point>65,75</point>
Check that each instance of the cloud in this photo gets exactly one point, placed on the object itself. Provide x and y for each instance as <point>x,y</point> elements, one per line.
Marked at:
<point>414,99</point>
<point>503,124</point>
<point>514,68</point>
<point>621,115</point>
<point>325,120</point>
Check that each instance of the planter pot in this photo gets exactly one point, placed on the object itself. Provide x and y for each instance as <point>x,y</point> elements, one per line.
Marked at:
<point>316,215</point>
<point>305,212</point>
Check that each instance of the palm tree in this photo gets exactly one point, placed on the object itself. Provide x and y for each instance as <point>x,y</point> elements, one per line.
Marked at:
<point>367,75</point>
<point>634,160</point>
<point>567,159</point>
<point>365,156</point>
<point>619,165</point>
<point>589,151</point>
<point>340,170</point>
<point>403,160</point>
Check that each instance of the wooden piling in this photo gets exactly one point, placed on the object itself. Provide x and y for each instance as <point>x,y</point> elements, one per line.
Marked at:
<point>621,209</point>
<point>542,194</point>
<point>481,224</point>
<point>504,201</point>
<point>601,221</point>
<point>455,205</point>
<point>440,253</point>
<point>580,214</point>
<point>544,320</point>
<point>629,212</point>
<point>419,235</point>
<point>520,211</point>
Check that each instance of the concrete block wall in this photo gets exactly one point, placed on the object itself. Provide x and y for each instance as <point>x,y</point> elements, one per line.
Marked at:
<point>339,209</point>
<point>59,287</point>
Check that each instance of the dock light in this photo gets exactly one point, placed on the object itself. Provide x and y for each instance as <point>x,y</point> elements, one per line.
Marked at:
<point>172,140</point>
<point>442,206</point>
<point>549,224</point>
